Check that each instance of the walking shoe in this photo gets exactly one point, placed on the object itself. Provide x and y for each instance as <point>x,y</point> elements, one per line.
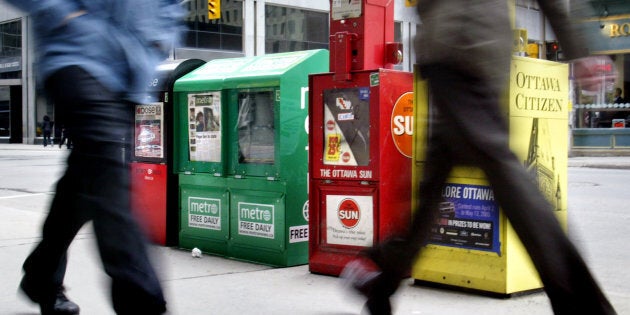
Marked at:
<point>55,304</point>
<point>362,274</point>
<point>60,305</point>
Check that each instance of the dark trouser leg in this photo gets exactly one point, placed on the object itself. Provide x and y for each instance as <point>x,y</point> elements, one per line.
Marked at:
<point>47,138</point>
<point>475,111</point>
<point>396,255</point>
<point>477,134</point>
<point>45,267</point>
<point>99,187</point>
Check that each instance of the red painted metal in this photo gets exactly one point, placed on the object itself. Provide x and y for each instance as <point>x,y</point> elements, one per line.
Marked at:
<point>148,202</point>
<point>385,178</point>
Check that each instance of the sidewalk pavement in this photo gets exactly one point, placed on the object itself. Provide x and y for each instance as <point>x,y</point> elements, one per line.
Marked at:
<point>216,285</point>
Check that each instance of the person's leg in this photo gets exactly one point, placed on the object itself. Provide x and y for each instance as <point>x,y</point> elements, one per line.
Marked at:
<point>45,267</point>
<point>101,124</point>
<point>394,257</point>
<point>566,278</point>
<point>46,138</point>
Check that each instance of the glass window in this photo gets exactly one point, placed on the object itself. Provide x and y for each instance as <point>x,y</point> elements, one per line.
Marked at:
<point>5,112</point>
<point>398,39</point>
<point>11,39</point>
<point>347,132</point>
<point>225,33</point>
<point>256,129</point>
<point>289,29</point>
<point>11,50</point>
<point>610,106</point>
<point>529,4</point>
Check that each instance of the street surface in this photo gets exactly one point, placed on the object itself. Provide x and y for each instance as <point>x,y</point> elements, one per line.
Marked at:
<point>599,220</point>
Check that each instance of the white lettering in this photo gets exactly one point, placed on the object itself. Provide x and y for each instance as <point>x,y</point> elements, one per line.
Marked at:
<point>348,214</point>
<point>403,125</point>
<point>452,192</point>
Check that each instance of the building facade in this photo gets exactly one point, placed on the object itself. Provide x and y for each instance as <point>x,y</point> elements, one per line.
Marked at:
<point>246,28</point>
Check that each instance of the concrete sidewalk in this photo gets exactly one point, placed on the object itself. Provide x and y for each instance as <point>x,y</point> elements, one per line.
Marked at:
<point>216,285</point>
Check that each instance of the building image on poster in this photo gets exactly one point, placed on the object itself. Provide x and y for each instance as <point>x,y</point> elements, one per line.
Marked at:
<point>347,126</point>
<point>149,130</point>
<point>204,126</point>
<point>350,220</point>
<point>541,162</point>
<point>468,218</point>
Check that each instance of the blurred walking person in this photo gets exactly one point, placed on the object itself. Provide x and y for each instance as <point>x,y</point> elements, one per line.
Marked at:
<point>95,58</point>
<point>65,137</point>
<point>47,127</point>
<point>464,51</point>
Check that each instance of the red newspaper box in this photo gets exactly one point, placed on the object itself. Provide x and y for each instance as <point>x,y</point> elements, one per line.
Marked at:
<point>360,164</point>
<point>360,132</point>
<point>154,185</point>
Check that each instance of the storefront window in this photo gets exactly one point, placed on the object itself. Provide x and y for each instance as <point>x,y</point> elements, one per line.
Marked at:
<point>10,68</point>
<point>610,106</point>
<point>5,111</point>
<point>224,34</point>
<point>290,29</point>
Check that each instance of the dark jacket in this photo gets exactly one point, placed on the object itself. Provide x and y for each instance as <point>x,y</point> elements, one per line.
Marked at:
<point>475,36</point>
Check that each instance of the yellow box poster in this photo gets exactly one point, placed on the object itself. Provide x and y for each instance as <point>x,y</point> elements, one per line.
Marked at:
<point>538,120</point>
<point>472,244</point>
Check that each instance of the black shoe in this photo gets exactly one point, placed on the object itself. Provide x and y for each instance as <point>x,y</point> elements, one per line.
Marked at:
<point>51,302</point>
<point>60,305</point>
<point>362,275</point>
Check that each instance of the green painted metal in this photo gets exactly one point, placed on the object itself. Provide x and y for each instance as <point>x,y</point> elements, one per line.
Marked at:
<point>256,164</point>
<point>204,213</point>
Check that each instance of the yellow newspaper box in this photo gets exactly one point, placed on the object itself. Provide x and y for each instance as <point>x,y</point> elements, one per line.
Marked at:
<point>472,244</point>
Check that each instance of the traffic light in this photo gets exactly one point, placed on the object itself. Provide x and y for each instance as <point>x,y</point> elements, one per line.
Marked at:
<point>214,9</point>
<point>552,49</point>
<point>411,3</point>
<point>532,50</point>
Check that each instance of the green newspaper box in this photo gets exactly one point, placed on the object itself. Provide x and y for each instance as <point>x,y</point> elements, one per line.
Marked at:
<point>242,156</point>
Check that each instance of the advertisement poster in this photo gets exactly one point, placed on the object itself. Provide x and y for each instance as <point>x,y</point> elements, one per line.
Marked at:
<point>204,126</point>
<point>539,135</point>
<point>347,126</point>
<point>350,220</point>
<point>468,218</point>
<point>149,130</point>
